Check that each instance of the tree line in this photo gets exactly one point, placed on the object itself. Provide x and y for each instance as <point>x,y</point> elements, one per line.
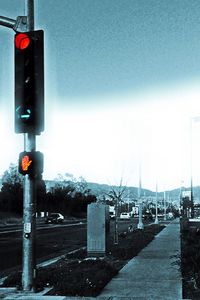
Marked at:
<point>69,196</point>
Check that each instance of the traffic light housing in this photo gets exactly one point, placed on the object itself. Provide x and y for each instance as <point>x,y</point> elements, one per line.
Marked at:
<point>29,82</point>
<point>31,163</point>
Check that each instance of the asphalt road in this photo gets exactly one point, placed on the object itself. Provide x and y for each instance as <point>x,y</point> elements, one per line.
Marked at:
<point>51,241</point>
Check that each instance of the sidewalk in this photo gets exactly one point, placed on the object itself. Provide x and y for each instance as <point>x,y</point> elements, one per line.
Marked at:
<point>152,275</point>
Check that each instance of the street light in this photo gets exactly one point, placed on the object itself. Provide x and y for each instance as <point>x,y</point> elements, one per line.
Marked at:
<point>165,217</point>
<point>140,223</point>
<point>192,119</point>
<point>156,218</point>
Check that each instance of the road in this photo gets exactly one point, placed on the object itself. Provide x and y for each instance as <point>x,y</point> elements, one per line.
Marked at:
<point>52,240</point>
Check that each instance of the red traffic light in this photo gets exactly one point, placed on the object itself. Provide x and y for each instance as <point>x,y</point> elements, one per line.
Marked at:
<point>22,41</point>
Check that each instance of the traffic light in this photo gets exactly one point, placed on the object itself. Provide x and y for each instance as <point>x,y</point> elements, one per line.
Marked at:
<point>29,82</point>
<point>31,163</point>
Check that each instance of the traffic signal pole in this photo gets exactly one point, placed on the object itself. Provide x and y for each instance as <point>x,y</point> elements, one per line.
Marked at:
<point>29,221</point>
<point>29,120</point>
<point>29,201</point>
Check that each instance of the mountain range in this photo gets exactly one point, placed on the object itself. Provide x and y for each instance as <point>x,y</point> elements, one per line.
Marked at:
<point>131,193</point>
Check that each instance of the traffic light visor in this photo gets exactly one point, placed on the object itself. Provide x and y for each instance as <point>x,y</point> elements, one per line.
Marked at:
<point>22,41</point>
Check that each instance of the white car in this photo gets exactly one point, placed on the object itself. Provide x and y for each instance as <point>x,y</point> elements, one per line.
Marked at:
<point>54,218</point>
<point>125,216</point>
<point>170,216</point>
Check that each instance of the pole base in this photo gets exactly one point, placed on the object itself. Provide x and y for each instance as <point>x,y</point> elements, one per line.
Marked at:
<point>140,226</point>
<point>156,221</point>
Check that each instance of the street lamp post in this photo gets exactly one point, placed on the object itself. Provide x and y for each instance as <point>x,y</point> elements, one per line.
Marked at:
<point>180,201</point>
<point>195,119</point>
<point>140,223</point>
<point>192,200</point>
<point>191,166</point>
<point>116,239</point>
<point>165,217</point>
<point>156,218</point>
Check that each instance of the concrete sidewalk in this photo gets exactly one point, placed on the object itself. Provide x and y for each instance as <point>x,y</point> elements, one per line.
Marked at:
<point>152,275</point>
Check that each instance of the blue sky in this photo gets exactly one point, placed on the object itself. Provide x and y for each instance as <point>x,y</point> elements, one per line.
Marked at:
<point>121,85</point>
<point>119,46</point>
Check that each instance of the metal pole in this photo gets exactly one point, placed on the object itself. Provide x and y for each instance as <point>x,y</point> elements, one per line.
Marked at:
<point>180,202</point>
<point>30,14</point>
<point>7,22</point>
<point>156,218</point>
<point>140,223</point>
<point>165,217</point>
<point>29,264</point>
<point>191,171</point>
<point>116,240</point>
<point>192,200</point>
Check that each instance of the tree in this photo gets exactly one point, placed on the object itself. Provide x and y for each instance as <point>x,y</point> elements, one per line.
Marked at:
<point>66,180</point>
<point>41,199</point>
<point>12,176</point>
<point>77,185</point>
<point>116,194</point>
<point>82,186</point>
<point>71,195</point>
<point>11,195</point>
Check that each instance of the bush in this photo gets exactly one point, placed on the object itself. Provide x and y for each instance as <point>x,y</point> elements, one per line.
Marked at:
<point>91,276</point>
<point>190,261</point>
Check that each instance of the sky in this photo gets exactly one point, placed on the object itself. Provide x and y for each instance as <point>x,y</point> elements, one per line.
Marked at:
<point>122,89</point>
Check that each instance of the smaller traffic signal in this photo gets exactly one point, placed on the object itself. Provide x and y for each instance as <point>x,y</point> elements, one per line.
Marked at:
<point>31,163</point>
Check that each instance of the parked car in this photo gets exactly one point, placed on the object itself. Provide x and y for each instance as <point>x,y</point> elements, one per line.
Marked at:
<point>125,216</point>
<point>170,216</point>
<point>160,215</point>
<point>147,216</point>
<point>54,218</point>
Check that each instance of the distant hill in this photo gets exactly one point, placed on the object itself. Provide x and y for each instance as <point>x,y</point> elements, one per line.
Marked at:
<point>101,190</point>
